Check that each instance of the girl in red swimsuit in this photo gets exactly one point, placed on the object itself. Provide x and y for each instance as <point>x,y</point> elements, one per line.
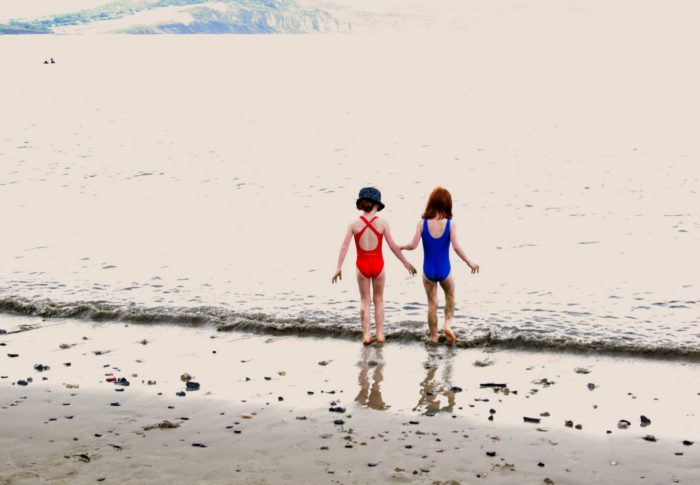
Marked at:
<point>368,232</point>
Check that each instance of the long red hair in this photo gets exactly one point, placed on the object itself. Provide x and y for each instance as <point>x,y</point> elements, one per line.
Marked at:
<point>439,204</point>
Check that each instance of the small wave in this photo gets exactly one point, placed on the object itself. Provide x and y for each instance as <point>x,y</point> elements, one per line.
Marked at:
<point>223,319</point>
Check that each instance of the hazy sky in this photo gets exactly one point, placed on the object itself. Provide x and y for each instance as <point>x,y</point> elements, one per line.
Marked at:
<point>14,9</point>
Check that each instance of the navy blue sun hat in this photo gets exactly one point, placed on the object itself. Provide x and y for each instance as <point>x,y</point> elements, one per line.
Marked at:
<point>372,194</point>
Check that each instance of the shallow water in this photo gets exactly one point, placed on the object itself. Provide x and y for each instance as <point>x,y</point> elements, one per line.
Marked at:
<point>210,179</point>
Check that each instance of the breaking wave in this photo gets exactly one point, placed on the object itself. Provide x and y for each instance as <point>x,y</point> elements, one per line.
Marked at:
<point>223,319</point>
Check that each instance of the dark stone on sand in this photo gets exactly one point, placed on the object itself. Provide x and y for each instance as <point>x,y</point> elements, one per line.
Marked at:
<point>199,445</point>
<point>336,409</point>
<point>678,453</point>
<point>348,446</point>
<point>192,386</point>
<point>115,404</point>
<point>492,411</point>
<point>430,412</point>
<point>531,420</point>
<point>3,331</point>
<point>688,442</point>
<point>40,367</point>
<point>649,437</point>
<point>339,422</point>
<point>491,417</point>
<point>644,420</point>
<point>66,364</point>
<point>540,464</point>
<point>268,378</point>
<point>491,384</point>
<point>456,389</point>
<point>119,389</point>
<point>280,398</point>
<point>21,382</point>
<point>180,393</point>
<point>122,381</point>
<point>623,424</point>
<point>98,435</point>
<point>408,447</point>
<point>13,355</point>
<point>490,453</point>
<point>425,470</point>
<point>413,422</point>
<point>237,431</point>
<point>591,386</point>
<point>372,464</point>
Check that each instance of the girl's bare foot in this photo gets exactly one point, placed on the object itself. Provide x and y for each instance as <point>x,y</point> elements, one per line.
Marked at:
<point>434,339</point>
<point>366,338</point>
<point>449,335</point>
<point>380,338</point>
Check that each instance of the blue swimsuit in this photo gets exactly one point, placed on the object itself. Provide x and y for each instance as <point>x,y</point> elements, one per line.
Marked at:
<point>436,253</point>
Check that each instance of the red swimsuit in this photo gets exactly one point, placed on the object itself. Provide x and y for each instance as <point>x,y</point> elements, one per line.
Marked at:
<point>370,263</point>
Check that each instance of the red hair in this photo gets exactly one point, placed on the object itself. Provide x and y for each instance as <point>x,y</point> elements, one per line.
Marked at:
<point>439,204</point>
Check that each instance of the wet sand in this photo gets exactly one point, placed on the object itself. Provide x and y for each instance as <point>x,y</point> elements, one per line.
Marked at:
<point>262,414</point>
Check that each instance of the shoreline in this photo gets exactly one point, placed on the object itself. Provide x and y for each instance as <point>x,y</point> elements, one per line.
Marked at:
<point>278,393</point>
<point>224,320</point>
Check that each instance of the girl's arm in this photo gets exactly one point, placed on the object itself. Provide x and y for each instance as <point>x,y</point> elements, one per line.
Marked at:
<point>338,275</point>
<point>414,242</point>
<point>395,249</point>
<point>458,249</point>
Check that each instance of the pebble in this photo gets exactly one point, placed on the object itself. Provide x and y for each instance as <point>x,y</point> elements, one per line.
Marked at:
<point>199,445</point>
<point>115,404</point>
<point>490,453</point>
<point>339,422</point>
<point>569,424</point>
<point>180,393</point>
<point>531,420</point>
<point>13,355</point>
<point>623,424</point>
<point>540,464</point>
<point>40,367</point>
<point>644,420</point>
<point>649,437</point>
<point>336,409</point>
<point>246,416</point>
<point>582,370</point>
<point>21,382</point>
<point>491,385</point>
<point>372,464</point>
<point>192,386</point>
<point>185,377</point>
<point>456,389</point>
<point>591,386</point>
<point>122,381</point>
<point>688,442</point>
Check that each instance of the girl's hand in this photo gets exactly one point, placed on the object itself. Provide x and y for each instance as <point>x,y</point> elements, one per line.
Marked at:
<point>337,276</point>
<point>411,269</point>
<point>473,266</point>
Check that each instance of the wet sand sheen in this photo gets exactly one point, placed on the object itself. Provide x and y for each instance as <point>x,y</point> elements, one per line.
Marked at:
<point>276,409</point>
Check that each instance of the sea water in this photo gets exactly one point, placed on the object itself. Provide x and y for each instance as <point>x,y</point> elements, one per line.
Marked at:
<point>210,180</point>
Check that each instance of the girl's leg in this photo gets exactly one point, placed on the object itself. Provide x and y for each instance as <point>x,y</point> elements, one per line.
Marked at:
<point>363,284</point>
<point>431,293</point>
<point>448,285</point>
<point>378,299</point>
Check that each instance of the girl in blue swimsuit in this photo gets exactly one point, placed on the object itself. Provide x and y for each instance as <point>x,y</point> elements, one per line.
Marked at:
<point>437,231</point>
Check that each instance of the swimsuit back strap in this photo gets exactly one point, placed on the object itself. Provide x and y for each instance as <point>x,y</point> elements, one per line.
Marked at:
<point>369,224</point>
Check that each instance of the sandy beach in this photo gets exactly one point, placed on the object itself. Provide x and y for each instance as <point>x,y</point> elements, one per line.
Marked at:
<point>320,410</point>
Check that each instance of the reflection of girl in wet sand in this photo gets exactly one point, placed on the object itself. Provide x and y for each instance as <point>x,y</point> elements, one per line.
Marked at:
<point>433,390</point>
<point>438,232</point>
<point>371,396</point>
